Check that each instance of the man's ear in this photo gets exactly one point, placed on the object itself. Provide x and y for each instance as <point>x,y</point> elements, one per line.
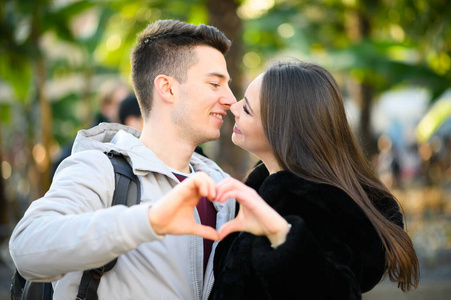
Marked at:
<point>163,87</point>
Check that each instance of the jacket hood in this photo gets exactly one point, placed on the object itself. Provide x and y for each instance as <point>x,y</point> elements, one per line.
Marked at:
<point>100,137</point>
<point>125,140</point>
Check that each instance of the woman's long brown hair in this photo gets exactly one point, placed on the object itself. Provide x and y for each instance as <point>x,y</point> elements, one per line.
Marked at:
<point>305,123</point>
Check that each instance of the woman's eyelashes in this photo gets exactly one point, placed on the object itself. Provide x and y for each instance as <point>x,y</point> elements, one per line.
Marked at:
<point>246,110</point>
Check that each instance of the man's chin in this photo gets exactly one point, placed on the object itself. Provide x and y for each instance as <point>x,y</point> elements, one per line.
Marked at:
<point>210,138</point>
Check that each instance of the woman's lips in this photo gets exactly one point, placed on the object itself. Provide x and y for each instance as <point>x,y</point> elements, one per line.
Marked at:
<point>236,130</point>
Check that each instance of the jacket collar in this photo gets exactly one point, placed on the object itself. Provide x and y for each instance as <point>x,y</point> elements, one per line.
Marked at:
<point>271,186</point>
<point>125,140</point>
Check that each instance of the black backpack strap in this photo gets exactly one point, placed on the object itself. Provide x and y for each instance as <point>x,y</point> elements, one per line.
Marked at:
<point>48,291</point>
<point>127,192</point>
<point>17,286</point>
<point>90,281</point>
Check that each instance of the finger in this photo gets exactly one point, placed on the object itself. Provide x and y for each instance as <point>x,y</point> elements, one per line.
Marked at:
<point>227,185</point>
<point>228,228</point>
<point>219,190</point>
<point>206,185</point>
<point>211,188</point>
<point>232,184</point>
<point>206,232</point>
<point>224,196</point>
<point>242,196</point>
<point>229,182</point>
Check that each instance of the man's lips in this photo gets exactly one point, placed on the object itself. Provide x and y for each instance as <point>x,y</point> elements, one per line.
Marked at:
<point>236,130</point>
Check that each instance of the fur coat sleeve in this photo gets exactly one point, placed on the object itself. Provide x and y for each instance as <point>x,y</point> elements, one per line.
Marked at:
<point>332,250</point>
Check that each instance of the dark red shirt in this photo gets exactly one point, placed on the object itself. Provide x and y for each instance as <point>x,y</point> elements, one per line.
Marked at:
<point>207,214</point>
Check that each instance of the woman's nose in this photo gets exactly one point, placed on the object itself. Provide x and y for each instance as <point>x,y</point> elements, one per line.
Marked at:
<point>235,108</point>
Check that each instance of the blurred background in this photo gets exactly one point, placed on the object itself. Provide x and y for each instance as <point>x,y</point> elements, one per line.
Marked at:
<point>64,66</point>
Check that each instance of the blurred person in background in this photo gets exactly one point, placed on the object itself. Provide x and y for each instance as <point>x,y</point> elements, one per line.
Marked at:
<point>387,163</point>
<point>111,95</point>
<point>129,112</point>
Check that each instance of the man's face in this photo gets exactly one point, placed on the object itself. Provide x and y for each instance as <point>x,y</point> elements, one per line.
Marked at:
<point>203,99</point>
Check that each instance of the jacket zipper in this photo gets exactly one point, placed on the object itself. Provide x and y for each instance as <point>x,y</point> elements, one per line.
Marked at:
<point>210,285</point>
<point>196,274</point>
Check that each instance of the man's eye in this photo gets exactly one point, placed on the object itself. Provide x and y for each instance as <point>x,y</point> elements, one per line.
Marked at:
<point>215,85</point>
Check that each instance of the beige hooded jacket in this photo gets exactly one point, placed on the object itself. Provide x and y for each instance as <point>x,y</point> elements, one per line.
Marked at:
<point>73,228</point>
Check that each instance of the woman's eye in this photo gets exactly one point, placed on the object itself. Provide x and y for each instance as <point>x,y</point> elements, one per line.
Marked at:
<point>246,110</point>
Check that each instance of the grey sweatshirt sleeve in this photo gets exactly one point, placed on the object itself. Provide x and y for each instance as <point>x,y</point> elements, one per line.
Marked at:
<point>73,226</point>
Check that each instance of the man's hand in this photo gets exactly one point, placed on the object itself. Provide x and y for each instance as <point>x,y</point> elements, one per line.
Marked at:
<point>174,212</point>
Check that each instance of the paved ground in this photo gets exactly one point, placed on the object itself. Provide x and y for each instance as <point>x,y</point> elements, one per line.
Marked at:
<point>430,291</point>
<point>435,283</point>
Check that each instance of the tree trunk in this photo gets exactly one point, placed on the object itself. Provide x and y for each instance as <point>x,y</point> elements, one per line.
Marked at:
<point>45,109</point>
<point>365,133</point>
<point>358,29</point>
<point>222,13</point>
<point>46,130</point>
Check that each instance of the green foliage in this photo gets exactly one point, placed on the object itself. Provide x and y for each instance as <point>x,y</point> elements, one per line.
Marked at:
<point>5,113</point>
<point>102,49</point>
<point>321,30</point>
<point>16,69</point>
<point>370,62</point>
<point>408,42</point>
<point>65,121</point>
<point>198,14</point>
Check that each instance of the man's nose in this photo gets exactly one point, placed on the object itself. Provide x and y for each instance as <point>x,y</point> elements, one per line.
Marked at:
<point>228,99</point>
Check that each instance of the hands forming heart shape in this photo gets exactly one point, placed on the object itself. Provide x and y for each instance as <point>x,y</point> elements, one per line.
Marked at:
<point>173,214</point>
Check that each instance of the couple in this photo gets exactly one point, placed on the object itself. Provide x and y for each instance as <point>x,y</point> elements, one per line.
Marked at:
<point>314,221</point>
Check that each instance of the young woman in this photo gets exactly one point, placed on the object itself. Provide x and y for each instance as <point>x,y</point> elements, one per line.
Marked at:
<point>315,222</point>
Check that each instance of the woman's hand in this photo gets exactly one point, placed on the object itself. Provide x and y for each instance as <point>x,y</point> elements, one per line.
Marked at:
<point>174,212</point>
<point>255,215</point>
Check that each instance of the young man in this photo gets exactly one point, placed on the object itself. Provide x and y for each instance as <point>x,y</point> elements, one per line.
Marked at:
<point>181,81</point>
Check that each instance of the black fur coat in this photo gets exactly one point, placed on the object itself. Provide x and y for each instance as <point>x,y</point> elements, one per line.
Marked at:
<point>332,251</point>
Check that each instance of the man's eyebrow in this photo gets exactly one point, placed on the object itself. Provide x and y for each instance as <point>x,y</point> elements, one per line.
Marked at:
<point>248,104</point>
<point>219,75</point>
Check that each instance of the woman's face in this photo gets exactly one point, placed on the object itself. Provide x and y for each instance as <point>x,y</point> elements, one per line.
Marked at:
<point>248,130</point>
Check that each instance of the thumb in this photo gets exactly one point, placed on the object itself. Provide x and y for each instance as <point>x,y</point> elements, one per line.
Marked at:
<point>228,228</point>
<point>206,232</point>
